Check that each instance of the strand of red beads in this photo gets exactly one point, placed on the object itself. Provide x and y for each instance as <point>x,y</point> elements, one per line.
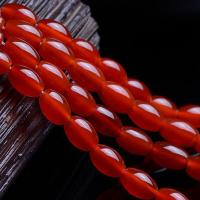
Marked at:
<point>112,70</point>
<point>82,135</point>
<point>104,121</point>
<point>144,115</point>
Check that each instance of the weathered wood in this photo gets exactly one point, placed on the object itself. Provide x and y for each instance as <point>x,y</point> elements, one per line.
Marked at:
<point>22,127</point>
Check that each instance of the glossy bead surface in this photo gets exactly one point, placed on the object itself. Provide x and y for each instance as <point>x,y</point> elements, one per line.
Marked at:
<point>57,53</point>
<point>24,31</point>
<point>81,134</point>
<point>107,161</point>
<point>183,133</point>
<point>135,141</point>
<point>193,167</point>
<point>170,194</point>
<point>116,97</point>
<point>169,156</point>
<point>19,12</point>
<point>138,183</point>
<point>112,70</point>
<point>54,106</point>
<point>55,30</point>
<point>52,76</point>
<point>81,102</point>
<point>87,75</point>
<point>5,63</point>
<point>146,116</point>
<point>18,49</point>
<point>25,81</point>
<point>138,89</point>
<point>105,122</point>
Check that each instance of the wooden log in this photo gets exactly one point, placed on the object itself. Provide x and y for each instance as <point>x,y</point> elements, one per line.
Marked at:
<point>22,127</point>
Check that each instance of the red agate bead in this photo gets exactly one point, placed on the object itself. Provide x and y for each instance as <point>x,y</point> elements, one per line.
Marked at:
<point>18,49</point>
<point>107,161</point>
<point>22,30</point>
<point>193,167</point>
<point>52,76</point>
<point>169,156</point>
<point>5,63</point>
<point>146,116</point>
<point>81,134</point>
<point>138,183</point>
<point>54,106</point>
<point>19,12</point>
<point>81,101</point>
<point>135,141</point>
<point>26,81</point>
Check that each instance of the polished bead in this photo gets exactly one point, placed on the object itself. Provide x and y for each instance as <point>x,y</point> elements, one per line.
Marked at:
<point>146,116</point>
<point>138,89</point>
<point>169,156</point>
<point>55,30</point>
<point>24,31</point>
<point>56,53</point>
<point>164,105</point>
<point>21,53</point>
<point>170,194</point>
<point>106,122</point>
<point>87,75</point>
<point>116,97</point>
<point>18,12</point>
<point>55,107</point>
<point>138,183</point>
<point>52,76</point>
<point>179,133</point>
<point>81,134</point>
<point>135,141</point>
<point>5,63</point>
<point>190,113</point>
<point>197,143</point>
<point>25,81</point>
<point>1,38</point>
<point>84,50</point>
<point>193,167</point>
<point>107,161</point>
<point>81,101</point>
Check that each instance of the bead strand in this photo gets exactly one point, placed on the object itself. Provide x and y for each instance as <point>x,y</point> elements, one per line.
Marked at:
<point>112,70</point>
<point>82,135</point>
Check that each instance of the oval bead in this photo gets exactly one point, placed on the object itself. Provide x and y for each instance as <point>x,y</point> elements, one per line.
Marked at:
<point>164,105</point>
<point>57,53</point>
<point>135,141</point>
<point>81,134</point>
<point>138,89</point>
<point>146,116</point>
<point>169,156</point>
<point>193,167</point>
<point>24,31</point>
<point>52,76</point>
<point>87,75</point>
<point>81,101</point>
<point>25,81</point>
<point>5,63</point>
<point>138,183</point>
<point>18,12</point>
<point>105,122</point>
<point>107,161</point>
<point>190,113</point>
<point>55,30</point>
<point>21,53</point>
<point>179,133</point>
<point>54,107</point>
<point>116,97</point>
<point>169,194</point>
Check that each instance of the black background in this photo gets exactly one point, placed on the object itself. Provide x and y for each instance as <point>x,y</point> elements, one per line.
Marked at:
<point>157,42</point>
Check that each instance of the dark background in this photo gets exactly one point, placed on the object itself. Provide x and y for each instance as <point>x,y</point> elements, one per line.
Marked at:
<point>157,42</point>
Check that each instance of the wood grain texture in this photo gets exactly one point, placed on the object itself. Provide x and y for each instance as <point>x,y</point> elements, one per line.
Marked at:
<point>22,127</point>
